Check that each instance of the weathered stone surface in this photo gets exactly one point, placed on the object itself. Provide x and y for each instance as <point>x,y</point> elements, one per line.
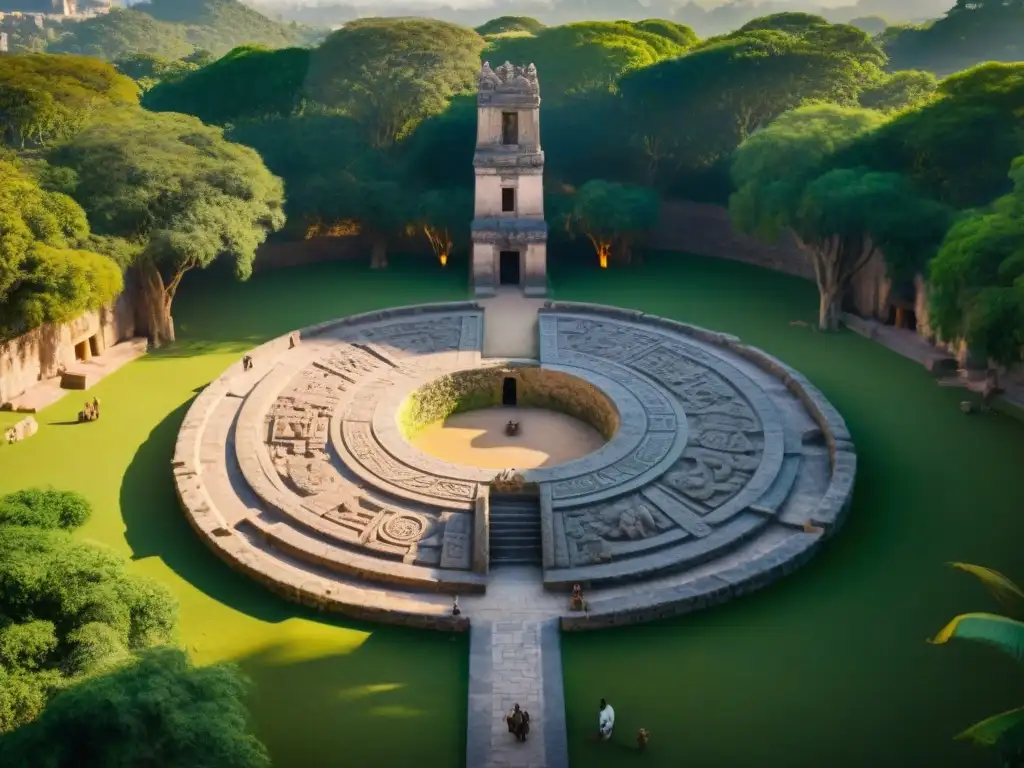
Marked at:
<point>715,449</point>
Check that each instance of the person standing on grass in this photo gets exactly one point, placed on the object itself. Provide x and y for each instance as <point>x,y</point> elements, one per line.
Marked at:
<point>605,721</point>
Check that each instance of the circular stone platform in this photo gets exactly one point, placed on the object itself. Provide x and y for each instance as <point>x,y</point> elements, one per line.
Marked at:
<point>723,469</point>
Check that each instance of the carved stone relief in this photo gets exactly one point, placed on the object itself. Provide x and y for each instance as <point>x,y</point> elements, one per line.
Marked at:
<point>423,338</point>
<point>591,533</point>
<point>360,442</point>
<point>610,341</point>
<point>456,546</point>
<point>652,449</point>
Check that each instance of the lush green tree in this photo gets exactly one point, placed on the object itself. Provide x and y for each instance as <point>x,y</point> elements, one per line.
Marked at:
<point>439,153</point>
<point>377,209</point>
<point>67,608</point>
<point>506,24</point>
<point>442,217</point>
<point>390,74</point>
<point>694,110</point>
<point>841,217</point>
<point>586,56</point>
<point>957,146</point>
<point>148,70</point>
<point>977,278</point>
<point>178,189</point>
<point>1004,732</point>
<point>899,90</point>
<point>251,82</point>
<point>46,275</point>
<point>79,83</point>
<point>44,508</point>
<point>158,710</point>
<point>610,215</point>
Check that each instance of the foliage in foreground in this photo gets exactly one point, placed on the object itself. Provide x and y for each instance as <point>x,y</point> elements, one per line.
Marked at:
<point>157,710</point>
<point>68,609</point>
<point>1003,732</point>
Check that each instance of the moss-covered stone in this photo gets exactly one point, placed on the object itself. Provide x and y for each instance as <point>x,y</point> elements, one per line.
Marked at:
<point>482,388</point>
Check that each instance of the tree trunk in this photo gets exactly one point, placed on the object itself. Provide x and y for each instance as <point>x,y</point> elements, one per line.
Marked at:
<point>829,309</point>
<point>379,253</point>
<point>154,307</point>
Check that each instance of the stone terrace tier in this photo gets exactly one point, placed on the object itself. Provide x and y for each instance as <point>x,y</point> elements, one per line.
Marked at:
<point>727,471</point>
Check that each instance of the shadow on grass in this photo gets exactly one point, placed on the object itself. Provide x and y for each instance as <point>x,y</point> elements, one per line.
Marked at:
<point>156,527</point>
<point>377,704</point>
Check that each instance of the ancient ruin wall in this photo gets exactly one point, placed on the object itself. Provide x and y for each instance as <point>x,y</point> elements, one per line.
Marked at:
<point>39,354</point>
<point>536,388</point>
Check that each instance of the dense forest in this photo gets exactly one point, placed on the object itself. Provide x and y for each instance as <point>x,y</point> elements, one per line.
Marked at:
<point>167,157</point>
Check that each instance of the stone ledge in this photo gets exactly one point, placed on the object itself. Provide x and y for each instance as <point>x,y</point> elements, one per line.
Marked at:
<point>379,315</point>
<point>702,592</point>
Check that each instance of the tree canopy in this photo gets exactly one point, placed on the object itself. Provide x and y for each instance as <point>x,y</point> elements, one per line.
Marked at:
<point>222,92</point>
<point>692,111</point>
<point>977,278</point>
<point>67,609</point>
<point>609,215</point>
<point>591,56</point>
<point>47,272</point>
<point>158,709</point>
<point>505,24</point>
<point>390,74</point>
<point>787,180</point>
<point>178,189</point>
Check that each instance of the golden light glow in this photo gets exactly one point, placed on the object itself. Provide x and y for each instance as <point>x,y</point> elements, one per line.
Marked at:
<point>444,259</point>
<point>602,259</point>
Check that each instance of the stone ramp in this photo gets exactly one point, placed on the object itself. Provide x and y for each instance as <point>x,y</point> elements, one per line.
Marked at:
<point>510,325</point>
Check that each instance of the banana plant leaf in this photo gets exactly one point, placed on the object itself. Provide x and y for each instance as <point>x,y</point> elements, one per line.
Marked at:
<point>1005,730</point>
<point>1000,632</point>
<point>1008,594</point>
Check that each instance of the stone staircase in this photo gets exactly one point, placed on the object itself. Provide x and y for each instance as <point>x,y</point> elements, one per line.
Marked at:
<point>515,531</point>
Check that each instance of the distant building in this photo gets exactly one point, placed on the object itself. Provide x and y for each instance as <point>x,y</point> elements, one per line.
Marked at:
<point>3,42</point>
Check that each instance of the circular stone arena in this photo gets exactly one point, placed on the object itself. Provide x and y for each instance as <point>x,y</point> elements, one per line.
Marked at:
<point>713,468</point>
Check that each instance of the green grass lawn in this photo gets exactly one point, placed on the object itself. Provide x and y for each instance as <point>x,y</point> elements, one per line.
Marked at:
<point>328,692</point>
<point>830,667</point>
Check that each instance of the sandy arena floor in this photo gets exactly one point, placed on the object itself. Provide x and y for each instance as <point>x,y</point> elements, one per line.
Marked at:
<point>478,439</point>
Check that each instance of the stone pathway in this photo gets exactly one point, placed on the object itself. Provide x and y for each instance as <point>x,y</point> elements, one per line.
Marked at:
<point>510,325</point>
<point>515,658</point>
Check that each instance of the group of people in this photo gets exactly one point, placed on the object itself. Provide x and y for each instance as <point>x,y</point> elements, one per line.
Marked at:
<point>90,412</point>
<point>518,721</point>
<point>512,428</point>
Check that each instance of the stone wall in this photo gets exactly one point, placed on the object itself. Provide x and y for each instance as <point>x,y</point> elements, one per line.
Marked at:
<point>39,354</point>
<point>482,388</point>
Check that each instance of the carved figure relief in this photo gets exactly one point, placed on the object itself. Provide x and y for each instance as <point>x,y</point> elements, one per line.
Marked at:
<point>456,546</point>
<point>592,532</point>
<point>652,449</point>
<point>722,457</point>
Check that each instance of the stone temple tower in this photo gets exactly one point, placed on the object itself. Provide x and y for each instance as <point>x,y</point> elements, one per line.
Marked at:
<point>509,233</point>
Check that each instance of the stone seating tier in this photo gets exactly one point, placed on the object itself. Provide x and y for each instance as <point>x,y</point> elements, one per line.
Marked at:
<point>726,471</point>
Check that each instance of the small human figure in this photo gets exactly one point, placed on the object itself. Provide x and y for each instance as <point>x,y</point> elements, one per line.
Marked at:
<point>577,603</point>
<point>515,720</point>
<point>642,737</point>
<point>524,729</point>
<point>455,607</point>
<point>96,406</point>
<point>605,721</point>
<point>291,341</point>
<point>247,363</point>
